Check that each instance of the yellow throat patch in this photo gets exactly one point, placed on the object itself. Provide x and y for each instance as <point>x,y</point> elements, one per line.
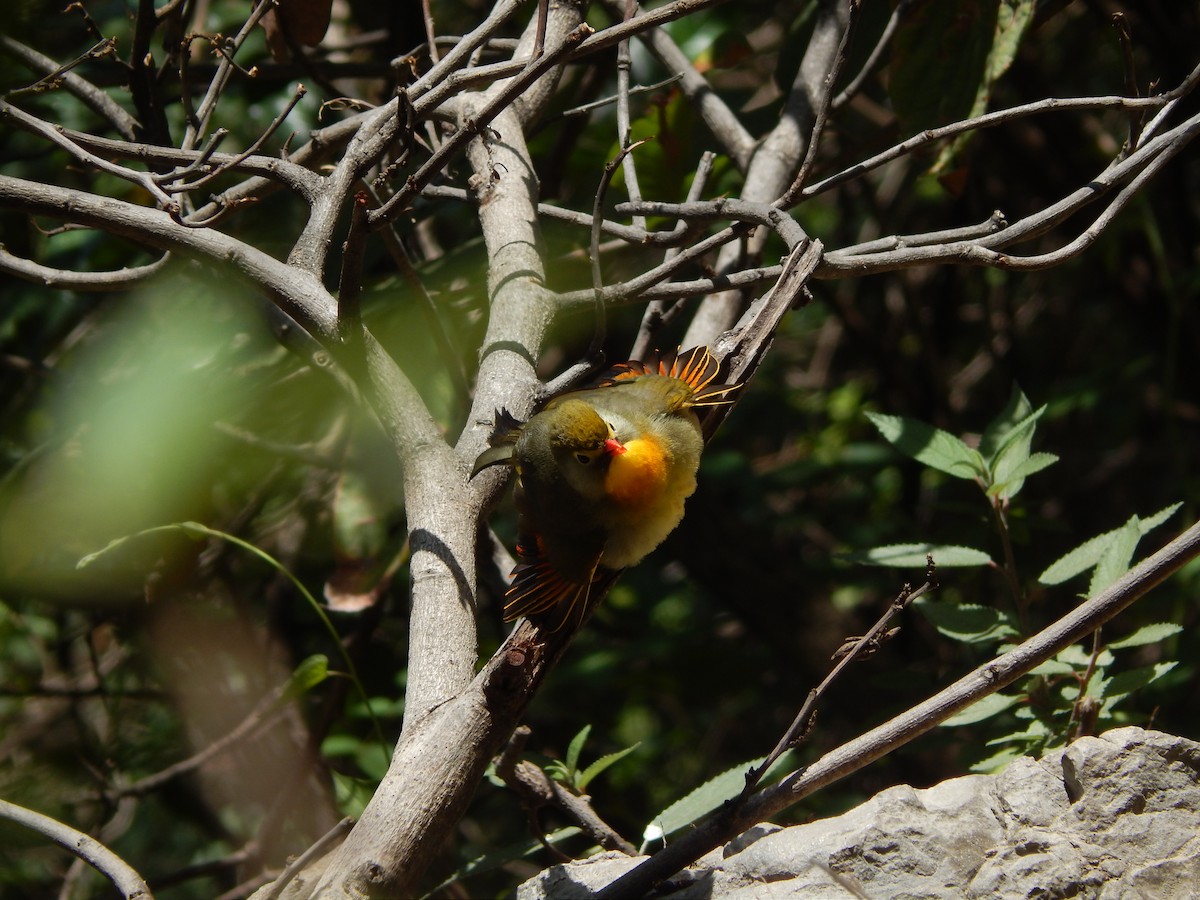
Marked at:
<point>638,475</point>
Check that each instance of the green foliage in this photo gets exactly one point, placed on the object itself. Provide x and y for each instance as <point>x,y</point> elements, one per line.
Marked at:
<point>567,772</point>
<point>709,796</point>
<point>1077,690</point>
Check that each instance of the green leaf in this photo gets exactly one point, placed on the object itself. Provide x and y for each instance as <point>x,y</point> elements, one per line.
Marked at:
<point>1124,683</point>
<point>1013,454</point>
<point>1016,410</point>
<point>998,761</point>
<point>1034,733</point>
<point>967,622</point>
<point>934,447</point>
<point>906,556</point>
<point>1147,634</point>
<point>586,776</point>
<point>934,82</point>
<point>1117,557</point>
<point>1052,667</point>
<point>575,748</point>
<point>311,672</point>
<point>1149,524</point>
<point>991,705</point>
<point>707,797</point>
<point>1008,488</point>
<point>1079,657</point>
<point>1092,551</point>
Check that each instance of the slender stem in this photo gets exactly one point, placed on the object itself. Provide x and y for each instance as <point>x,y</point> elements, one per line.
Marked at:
<point>131,885</point>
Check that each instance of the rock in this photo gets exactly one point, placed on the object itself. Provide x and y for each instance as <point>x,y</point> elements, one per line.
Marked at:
<point>1115,816</point>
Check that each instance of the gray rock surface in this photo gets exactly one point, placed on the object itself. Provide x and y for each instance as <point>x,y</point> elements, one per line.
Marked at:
<point>1115,816</point>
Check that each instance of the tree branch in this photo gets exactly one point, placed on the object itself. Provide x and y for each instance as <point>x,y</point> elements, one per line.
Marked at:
<point>131,885</point>
<point>911,724</point>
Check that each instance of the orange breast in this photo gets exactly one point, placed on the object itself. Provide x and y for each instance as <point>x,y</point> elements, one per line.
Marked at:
<point>637,476</point>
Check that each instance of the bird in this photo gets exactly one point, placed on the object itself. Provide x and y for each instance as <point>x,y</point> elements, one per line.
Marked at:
<point>602,476</point>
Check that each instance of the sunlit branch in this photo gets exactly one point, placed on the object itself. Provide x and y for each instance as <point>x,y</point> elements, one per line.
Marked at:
<point>120,873</point>
<point>66,279</point>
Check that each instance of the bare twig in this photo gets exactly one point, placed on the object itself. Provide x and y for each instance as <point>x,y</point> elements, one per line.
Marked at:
<point>118,279</point>
<point>722,122</point>
<point>58,137</point>
<point>91,96</point>
<point>990,120</point>
<point>600,331</point>
<point>474,126</point>
<point>316,851</point>
<point>821,109</point>
<point>724,208</point>
<point>889,30</point>
<point>537,789</point>
<point>131,885</point>
<point>854,649</point>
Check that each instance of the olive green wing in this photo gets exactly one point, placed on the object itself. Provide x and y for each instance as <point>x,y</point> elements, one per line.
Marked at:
<point>503,442</point>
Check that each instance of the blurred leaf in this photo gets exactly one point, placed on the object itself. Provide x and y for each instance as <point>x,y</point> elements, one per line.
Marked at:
<point>939,61</point>
<point>996,762</point>
<point>502,857</point>
<point>1079,657</point>
<point>932,446</point>
<point>1147,634</point>
<point>1052,667</point>
<point>311,672</point>
<point>912,556</point>
<point>991,705</point>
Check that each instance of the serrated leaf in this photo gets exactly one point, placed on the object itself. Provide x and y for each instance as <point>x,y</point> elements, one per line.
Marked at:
<point>1091,551</point>
<point>586,776</point>
<point>1147,634</point>
<point>575,748</point>
<point>1117,557</point>
<point>904,556</point>
<point>967,622</point>
<point>931,446</point>
<point>991,705</point>
<point>1146,525</point>
<point>1034,733</point>
<point>1078,560</point>
<point>1052,667</point>
<point>1079,657</point>
<point>707,797</point>
<point>1124,683</point>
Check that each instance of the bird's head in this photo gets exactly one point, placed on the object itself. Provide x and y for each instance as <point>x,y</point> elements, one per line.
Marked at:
<point>583,444</point>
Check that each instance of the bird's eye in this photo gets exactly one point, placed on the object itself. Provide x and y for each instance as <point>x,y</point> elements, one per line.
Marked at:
<point>583,458</point>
